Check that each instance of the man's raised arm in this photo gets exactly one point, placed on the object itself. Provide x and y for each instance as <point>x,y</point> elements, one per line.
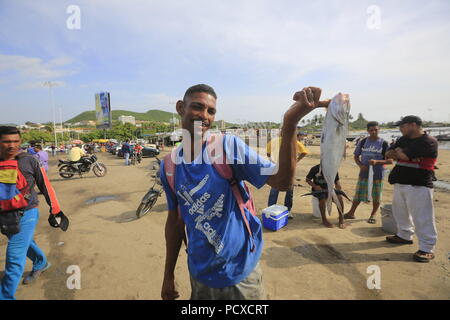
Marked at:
<point>306,100</point>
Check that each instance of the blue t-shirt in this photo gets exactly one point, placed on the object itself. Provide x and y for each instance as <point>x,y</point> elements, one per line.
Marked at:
<point>218,241</point>
<point>126,148</point>
<point>42,156</point>
<point>372,150</point>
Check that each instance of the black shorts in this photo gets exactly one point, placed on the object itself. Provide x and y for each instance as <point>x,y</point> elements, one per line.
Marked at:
<point>321,195</point>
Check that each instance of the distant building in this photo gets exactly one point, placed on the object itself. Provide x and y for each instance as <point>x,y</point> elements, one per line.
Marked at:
<point>127,119</point>
<point>85,123</point>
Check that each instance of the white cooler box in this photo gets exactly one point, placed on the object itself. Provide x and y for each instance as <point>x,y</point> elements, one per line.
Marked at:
<point>275,217</point>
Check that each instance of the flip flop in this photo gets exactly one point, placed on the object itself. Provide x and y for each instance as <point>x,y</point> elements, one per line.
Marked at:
<point>421,256</point>
<point>372,220</point>
<point>347,216</point>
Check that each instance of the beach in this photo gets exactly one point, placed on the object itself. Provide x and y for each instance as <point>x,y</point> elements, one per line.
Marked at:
<point>121,257</point>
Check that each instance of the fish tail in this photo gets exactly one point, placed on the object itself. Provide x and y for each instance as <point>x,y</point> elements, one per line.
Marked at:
<point>331,195</point>
<point>336,200</point>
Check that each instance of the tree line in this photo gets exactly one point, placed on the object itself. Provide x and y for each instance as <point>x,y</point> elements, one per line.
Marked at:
<point>119,131</point>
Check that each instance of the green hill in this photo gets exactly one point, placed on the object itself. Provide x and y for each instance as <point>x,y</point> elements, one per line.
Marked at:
<point>151,115</point>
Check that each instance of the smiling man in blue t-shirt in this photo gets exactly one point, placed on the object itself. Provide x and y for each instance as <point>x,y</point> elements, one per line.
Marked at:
<point>222,264</point>
<point>370,151</point>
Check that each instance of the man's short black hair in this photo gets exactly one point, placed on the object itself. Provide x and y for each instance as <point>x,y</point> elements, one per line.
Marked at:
<point>8,130</point>
<point>372,124</point>
<point>200,88</point>
<point>38,146</point>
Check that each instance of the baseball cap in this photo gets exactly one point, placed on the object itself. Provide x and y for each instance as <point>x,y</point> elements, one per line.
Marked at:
<point>301,133</point>
<point>409,119</point>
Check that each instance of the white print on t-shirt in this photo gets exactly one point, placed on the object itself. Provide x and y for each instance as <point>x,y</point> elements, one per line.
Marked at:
<point>372,149</point>
<point>199,186</point>
<point>187,196</point>
<point>211,234</point>
<point>184,194</point>
<point>197,206</point>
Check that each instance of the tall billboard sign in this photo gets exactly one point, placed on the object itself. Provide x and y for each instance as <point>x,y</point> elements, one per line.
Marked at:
<point>103,113</point>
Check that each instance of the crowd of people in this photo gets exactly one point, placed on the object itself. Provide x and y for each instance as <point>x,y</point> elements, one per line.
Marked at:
<point>214,216</point>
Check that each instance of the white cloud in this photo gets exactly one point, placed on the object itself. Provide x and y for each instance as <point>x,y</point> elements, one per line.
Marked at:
<point>39,84</point>
<point>29,73</point>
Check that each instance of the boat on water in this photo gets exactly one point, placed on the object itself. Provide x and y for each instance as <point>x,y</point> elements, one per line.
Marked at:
<point>443,137</point>
<point>352,137</point>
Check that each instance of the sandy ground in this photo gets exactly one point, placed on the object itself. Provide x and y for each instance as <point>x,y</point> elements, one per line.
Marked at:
<point>121,257</point>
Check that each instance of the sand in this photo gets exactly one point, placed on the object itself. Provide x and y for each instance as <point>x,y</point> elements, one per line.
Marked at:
<point>121,257</point>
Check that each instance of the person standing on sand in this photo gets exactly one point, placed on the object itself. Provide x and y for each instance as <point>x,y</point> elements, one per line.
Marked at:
<point>370,151</point>
<point>126,149</point>
<point>42,157</point>
<point>20,231</point>
<point>320,190</point>
<point>223,258</point>
<point>302,151</point>
<point>412,204</point>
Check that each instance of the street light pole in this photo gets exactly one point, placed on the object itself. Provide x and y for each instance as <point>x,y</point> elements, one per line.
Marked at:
<point>60,118</point>
<point>50,85</point>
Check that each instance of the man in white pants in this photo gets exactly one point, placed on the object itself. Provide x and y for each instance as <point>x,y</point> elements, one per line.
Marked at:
<point>412,176</point>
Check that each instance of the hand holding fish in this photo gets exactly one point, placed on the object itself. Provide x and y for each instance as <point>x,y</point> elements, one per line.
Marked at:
<point>306,100</point>
<point>400,154</point>
<point>364,168</point>
<point>374,162</point>
<point>317,188</point>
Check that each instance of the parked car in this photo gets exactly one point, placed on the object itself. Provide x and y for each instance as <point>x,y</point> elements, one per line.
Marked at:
<point>147,151</point>
<point>150,152</point>
<point>113,149</point>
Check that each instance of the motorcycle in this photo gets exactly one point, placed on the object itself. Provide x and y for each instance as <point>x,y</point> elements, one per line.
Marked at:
<point>135,157</point>
<point>67,169</point>
<point>150,198</point>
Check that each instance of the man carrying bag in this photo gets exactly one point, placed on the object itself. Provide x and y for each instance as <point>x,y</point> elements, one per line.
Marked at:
<point>19,213</point>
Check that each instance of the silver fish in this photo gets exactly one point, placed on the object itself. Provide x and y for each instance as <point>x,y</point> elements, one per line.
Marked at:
<point>370,184</point>
<point>332,143</point>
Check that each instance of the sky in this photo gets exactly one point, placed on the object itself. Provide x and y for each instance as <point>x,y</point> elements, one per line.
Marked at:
<point>392,57</point>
